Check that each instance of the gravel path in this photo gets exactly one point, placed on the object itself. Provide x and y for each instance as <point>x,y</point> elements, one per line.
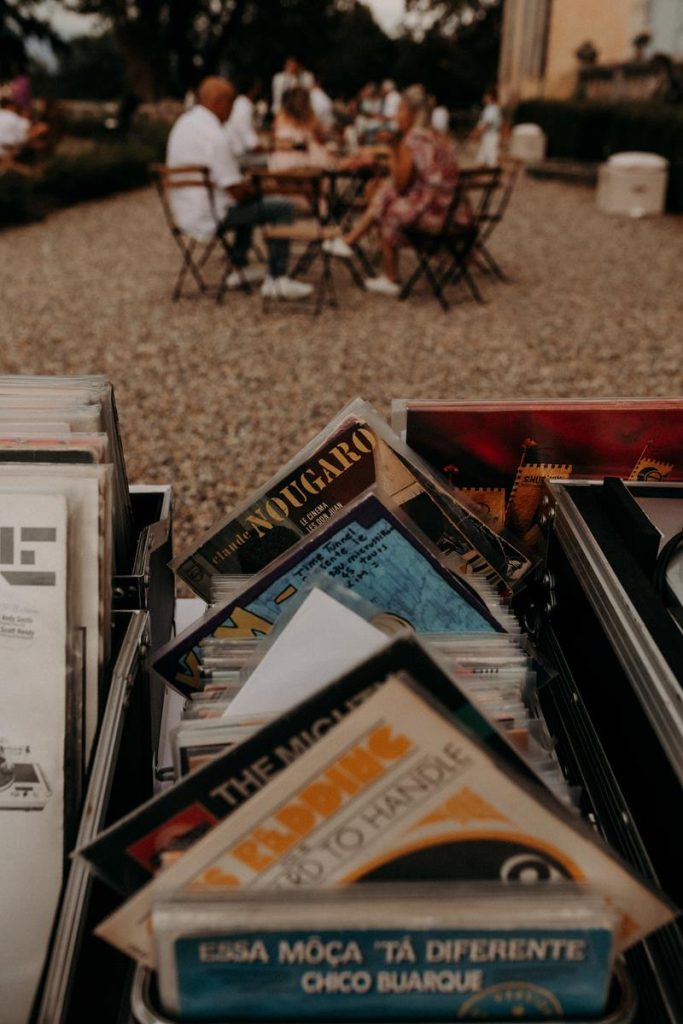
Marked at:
<point>215,398</point>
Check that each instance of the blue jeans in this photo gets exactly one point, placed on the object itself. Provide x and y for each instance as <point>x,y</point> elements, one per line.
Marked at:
<point>242,217</point>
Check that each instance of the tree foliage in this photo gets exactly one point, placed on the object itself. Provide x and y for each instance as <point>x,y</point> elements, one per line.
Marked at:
<point>19,21</point>
<point>168,45</point>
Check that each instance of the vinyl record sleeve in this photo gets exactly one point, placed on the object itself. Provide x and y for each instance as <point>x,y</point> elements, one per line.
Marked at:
<point>88,491</point>
<point>33,728</point>
<point>395,952</point>
<point>517,445</point>
<point>367,548</point>
<point>354,451</point>
<point>399,791</point>
<point>127,855</point>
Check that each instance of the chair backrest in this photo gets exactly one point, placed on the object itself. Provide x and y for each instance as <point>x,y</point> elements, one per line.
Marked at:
<point>182,176</point>
<point>509,171</point>
<point>480,185</point>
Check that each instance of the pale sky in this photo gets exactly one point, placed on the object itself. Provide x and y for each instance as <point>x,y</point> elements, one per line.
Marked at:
<point>387,12</point>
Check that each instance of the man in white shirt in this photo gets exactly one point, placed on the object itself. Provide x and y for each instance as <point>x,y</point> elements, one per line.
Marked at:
<point>323,108</point>
<point>233,204</point>
<point>292,74</point>
<point>14,129</point>
<point>240,124</point>
<point>391,100</point>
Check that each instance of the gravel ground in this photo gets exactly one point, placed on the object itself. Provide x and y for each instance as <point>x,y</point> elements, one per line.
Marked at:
<point>215,398</point>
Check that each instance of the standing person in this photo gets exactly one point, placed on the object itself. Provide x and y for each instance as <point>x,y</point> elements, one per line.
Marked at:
<point>391,99</point>
<point>292,75</point>
<point>240,125</point>
<point>487,130</point>
<point>323,108</point>
<point>418,193</point>
<point>198,137</point>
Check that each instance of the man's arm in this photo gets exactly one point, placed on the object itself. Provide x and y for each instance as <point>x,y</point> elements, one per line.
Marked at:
<point>402,166</point>
<point>244,192</point>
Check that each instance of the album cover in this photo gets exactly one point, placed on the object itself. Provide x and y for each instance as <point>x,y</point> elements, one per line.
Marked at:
<point>33,729</point>
<point>367,548</point>
<point>516,446</point>
<point>354,451</point>
<point>399,791</point>
<point>398,952</point>
<point>129,853</point>
<point>88,492</point>
<point>19,446</point>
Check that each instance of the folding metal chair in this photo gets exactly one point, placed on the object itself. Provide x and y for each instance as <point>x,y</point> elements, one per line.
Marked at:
<point>312,236</point>
<point>443,257</point>
<point>509,173</point>
<point>193,176</point>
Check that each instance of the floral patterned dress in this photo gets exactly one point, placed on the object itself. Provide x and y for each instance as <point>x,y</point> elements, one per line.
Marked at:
<point>425,203</point>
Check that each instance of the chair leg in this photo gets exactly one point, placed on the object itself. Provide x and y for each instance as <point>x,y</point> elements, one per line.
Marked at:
<point>363,260</point>
<point>413,279</point>
<point>227,270</point>
<point>306,259</point>
<point>188,264</point>
<point>490,263</point>
<point>207,253</point>
<point>327,286</point>
<point>356,276</point>
<point>436,286</point>
<point>472,285</point>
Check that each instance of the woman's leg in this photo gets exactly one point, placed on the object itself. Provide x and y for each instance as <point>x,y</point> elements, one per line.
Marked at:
<point>390,260</point>
<point>361,227</point>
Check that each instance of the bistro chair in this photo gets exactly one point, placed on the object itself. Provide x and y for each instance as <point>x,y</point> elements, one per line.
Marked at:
<point>500,200</point>
<point>311,236</point>
<point>194,252</point>
<point>444,257</point>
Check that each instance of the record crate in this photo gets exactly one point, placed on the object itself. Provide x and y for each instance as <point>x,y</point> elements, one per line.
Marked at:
<point>574,589</point>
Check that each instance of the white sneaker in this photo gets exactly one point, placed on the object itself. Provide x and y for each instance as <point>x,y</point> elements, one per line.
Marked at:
<point>285,288</point>
<point>252,275</point>
<point>338,247</point>
<point>382,285</point>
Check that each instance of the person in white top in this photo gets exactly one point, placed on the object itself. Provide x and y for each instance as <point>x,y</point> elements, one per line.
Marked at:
<point>487,130</point>
<point>292,74</point>
<point>14,129</point>
<point>323,108</point>
<point>391,99</point>
<point>240,124</point>
<point>233,204</point>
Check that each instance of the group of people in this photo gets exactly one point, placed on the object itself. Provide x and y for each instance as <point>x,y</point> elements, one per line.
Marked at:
<point>220,131</point>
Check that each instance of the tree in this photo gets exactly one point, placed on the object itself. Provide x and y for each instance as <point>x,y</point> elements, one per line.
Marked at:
<point>448,17</point>
<point>91,68</point>
<point>169,44</point>
<point>453,48</point>
<point>18,23</point>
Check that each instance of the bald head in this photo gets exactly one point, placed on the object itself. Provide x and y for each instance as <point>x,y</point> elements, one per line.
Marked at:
<point>217,95</point>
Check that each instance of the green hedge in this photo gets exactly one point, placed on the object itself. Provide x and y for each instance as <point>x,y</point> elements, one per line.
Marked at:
<point>585,130</point>
<point>68,178</point>
<point>109,168</point>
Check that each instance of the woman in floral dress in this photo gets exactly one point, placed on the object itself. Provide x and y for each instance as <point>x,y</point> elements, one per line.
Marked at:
<point>418,193</point>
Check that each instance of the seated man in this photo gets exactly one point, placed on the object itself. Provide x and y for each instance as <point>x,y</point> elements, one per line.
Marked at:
<point>198,137</point>
<point>15,130</point>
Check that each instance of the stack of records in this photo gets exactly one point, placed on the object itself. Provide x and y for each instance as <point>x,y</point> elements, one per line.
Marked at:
<point>64,521</point>
<point>361,709</point>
